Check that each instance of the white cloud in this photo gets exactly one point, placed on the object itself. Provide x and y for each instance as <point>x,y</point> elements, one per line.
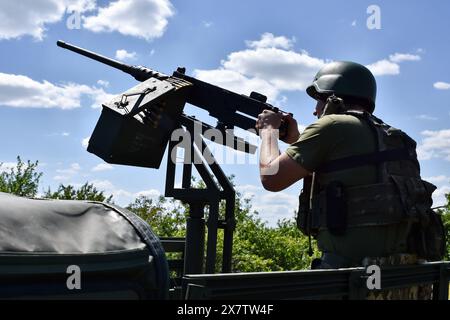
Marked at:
<point>103,185</point>
<point>22,91</point>
<point>437,179</point>
<point>268,66</point>
<point>102,167</point>
<point>439,198</point>
<point>80,5</point>
<point>145,19</point>
<point>443,188</point>
<point>285,70</point>
<point>85,142</point>
<point>123,54</point>
<point>30,17</point>
<point>121,196</point>
<point>391,66</point>
<point>426,117</point>
<point>229,156</point>
<point>237,82</point>
<point>353,23</point>
<point>400,57</point>
<point>103,83</point>
<point>152,193</point>
<point>301,127</point>
<point>7,166</point>
<point>58,134</point>
<point>207,24</point>
<point>384,67</point>
<point>68,173</point>
<point>270,206</point>
<point>99,97</point>
<point>435,144</point>
<point>268,40</point>
<point>441,85</point>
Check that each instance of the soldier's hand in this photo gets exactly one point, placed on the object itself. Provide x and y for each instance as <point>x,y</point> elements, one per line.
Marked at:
<point>292,133</point>
<point>268,120</point>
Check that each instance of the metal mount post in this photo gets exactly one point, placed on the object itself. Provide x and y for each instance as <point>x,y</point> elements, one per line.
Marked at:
<point>198,199</point>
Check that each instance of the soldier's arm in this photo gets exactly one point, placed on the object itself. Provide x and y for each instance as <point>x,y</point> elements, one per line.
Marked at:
<point>277,171</point>
<point>281,172</point>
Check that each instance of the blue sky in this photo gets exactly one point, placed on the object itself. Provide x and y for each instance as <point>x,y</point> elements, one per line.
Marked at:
<point>50,98</point>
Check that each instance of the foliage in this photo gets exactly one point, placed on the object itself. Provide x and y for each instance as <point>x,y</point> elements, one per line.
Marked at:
<point>23,180</point>
<point>445,212</point>
<point>258,247</point>
<point>86,192</point>
<point>167,218</point>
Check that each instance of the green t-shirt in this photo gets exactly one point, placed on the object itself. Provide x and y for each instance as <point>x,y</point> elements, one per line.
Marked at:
<point>334,137</point>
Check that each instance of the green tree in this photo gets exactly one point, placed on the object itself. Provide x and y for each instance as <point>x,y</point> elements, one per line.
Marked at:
<point>256,247</point>
<point>445,212</point>
<point>86,192</point>
<point>22,180</point>
<point>166,217</point>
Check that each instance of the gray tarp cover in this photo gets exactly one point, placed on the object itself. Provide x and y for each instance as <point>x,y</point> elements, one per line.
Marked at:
<point>74,227</point>
<point>63,226</point>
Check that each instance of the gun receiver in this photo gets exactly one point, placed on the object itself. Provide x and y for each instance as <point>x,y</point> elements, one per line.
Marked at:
<point>171,93</point>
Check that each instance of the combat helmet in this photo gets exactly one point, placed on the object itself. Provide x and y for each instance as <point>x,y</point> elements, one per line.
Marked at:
<point>348,80</point>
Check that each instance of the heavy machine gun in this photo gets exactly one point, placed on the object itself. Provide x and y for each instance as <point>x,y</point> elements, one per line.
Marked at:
<point>125,134</point>
<point>169,93</point>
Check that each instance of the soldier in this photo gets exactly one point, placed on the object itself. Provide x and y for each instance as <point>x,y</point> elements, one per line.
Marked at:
<point>363,199</point>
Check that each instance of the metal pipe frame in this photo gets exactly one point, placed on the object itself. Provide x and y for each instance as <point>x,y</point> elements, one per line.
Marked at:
<point>197,199</point>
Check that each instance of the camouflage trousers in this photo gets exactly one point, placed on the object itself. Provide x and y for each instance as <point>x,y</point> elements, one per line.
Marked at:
<point>419,292</point>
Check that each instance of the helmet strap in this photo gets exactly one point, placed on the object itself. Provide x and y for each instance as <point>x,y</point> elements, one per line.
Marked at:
<point>334,105</point>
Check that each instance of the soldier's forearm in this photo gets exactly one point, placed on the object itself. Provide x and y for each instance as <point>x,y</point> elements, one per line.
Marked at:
<point>269,149</point>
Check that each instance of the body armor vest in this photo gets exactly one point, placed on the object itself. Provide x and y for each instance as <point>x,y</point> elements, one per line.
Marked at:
<point>398,196</point>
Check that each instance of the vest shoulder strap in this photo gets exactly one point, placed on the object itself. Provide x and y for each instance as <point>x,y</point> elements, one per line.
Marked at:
<point>378,157</point>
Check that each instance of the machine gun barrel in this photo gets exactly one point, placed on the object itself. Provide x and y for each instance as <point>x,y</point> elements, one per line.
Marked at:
<point>138,72</point>
<point>229,108</point>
